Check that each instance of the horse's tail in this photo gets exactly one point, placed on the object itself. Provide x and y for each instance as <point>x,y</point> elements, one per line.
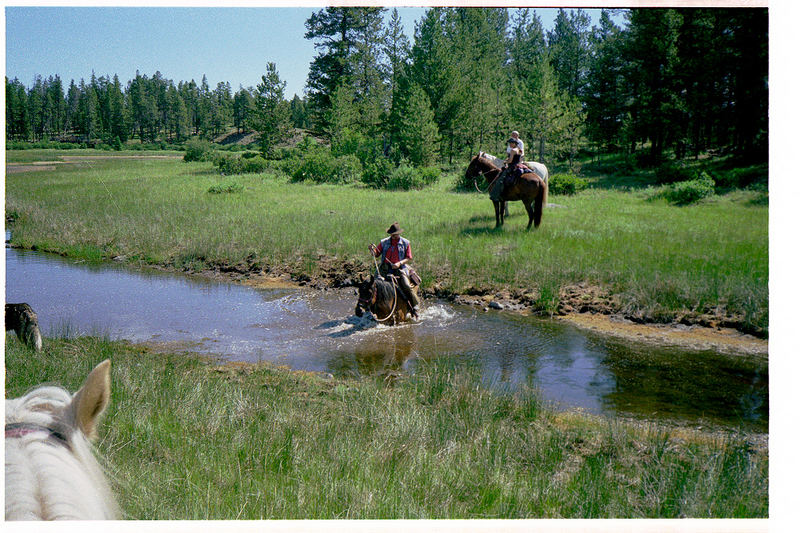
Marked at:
<point>538,205</point>
<point>546,191</point>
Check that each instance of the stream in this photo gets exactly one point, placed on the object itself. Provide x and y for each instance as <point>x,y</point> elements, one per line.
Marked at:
<point>317,331</point>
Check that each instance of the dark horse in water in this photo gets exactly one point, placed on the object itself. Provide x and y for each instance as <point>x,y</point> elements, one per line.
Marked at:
<point>384,299</point>
<point>530,188</point>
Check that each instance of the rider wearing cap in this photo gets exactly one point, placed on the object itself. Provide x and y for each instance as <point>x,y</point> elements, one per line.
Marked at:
<point>395,253</point>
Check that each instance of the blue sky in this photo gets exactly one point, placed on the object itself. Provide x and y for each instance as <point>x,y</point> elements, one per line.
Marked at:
<point>226,44</point>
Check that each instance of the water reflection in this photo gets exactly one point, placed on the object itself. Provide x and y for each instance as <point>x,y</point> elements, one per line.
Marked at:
<point>316,330</point>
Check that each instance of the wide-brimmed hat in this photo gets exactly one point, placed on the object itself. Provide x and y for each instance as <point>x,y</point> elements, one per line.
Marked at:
<point>394,229</point>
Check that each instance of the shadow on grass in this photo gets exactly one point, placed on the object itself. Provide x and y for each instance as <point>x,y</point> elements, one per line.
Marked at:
<point>478,231</point>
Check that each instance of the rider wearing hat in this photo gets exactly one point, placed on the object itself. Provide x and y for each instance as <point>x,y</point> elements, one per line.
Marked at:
<point>395,253</point>
<point>512,169</point>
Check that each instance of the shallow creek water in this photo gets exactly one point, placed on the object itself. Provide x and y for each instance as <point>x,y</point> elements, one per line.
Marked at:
<point>317,331</point>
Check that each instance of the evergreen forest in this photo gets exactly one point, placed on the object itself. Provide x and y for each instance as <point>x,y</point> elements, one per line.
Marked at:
<point>666,84</point>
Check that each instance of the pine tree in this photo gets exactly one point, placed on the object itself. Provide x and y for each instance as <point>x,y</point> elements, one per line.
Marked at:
<point>348,39</point>
<point>605,95</point>
<point>417,135</point>
<point>242,106</point>
<point>270,116</point>
<point>569,50</point>
<point>118,127</point>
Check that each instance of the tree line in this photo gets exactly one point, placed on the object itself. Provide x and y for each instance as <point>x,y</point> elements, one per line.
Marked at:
<point>669,81</point>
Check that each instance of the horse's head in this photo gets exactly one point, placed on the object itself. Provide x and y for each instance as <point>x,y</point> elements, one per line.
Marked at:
<point>480,166</point>
<point>367,294</point>
<point>47,447</point>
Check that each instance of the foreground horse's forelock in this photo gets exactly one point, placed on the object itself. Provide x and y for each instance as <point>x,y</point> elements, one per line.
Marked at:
<point>51,472</point>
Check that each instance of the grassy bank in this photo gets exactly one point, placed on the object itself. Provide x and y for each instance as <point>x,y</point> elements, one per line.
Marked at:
<point>187,439</point>
<point>657,262</point>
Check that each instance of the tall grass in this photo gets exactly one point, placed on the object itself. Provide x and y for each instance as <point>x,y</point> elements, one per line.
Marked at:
<point>186,439</point>
<point>657,259</point>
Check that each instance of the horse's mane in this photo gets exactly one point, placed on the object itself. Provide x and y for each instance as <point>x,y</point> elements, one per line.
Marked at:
<point>496,161</point>
<point>384,289</point>
<point>53,480</point>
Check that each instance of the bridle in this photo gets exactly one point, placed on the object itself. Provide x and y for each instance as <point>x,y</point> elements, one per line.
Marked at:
<point>482,173</point>
<point>20,429</point>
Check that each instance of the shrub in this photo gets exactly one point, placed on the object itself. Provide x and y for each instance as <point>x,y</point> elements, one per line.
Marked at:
<point>404,177</point>
<point>231,164</point>
<point>567,184</point>
<point>317,165</point>
<point>687,192</point>
<point>198,150</point>
<point>407,177</point>
<point>255,165</point>
<point>377,171</point>
<point>430,175</point>
<point>228,164</point>
<point>348,169</point>
<point>228,187</point>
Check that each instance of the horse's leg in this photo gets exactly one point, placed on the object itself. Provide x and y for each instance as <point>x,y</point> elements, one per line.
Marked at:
<point>497,214</point>
<point>529,209</point>
<point>505,209</point>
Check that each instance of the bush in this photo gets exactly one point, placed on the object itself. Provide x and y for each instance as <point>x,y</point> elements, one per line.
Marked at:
<point>407,177</point>
<point>231,164</point>
<point>320,166</point>
<point>404,177</point>
<point>377,172</point>
<point>687,192</point>
<point>198,150</point>
<point>567,184</point>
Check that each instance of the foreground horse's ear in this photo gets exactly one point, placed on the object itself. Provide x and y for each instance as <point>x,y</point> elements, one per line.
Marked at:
<point>371,278</point>
<point>92,399</point>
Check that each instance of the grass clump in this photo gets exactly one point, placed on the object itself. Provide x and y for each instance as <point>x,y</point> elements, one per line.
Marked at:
<point>223,188</point>
<point>188,439</point>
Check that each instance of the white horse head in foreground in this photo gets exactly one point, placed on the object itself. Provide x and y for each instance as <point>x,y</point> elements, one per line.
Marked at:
<point>51,473</point>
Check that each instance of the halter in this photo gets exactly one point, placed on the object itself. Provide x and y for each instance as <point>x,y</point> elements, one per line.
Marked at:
<point>20,429</point>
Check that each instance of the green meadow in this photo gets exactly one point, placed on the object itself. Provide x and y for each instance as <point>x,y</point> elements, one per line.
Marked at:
<point>184,438</point>
<point>658,261</point>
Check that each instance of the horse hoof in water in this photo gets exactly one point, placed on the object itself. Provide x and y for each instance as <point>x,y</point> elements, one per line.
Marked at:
<point>23,320</point>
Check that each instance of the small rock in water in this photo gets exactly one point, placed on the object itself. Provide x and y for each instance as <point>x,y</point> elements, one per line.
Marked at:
<point>495,305</point>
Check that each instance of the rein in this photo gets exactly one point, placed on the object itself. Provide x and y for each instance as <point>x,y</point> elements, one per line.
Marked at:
<point>18,430</point>
<point>488,187</point>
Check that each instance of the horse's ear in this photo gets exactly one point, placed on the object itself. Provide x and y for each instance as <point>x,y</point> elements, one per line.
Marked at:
<point>371,279</point>
<point>91,400</point>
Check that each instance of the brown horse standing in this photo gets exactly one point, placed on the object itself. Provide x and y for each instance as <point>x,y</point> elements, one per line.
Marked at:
<point>529,188</point>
